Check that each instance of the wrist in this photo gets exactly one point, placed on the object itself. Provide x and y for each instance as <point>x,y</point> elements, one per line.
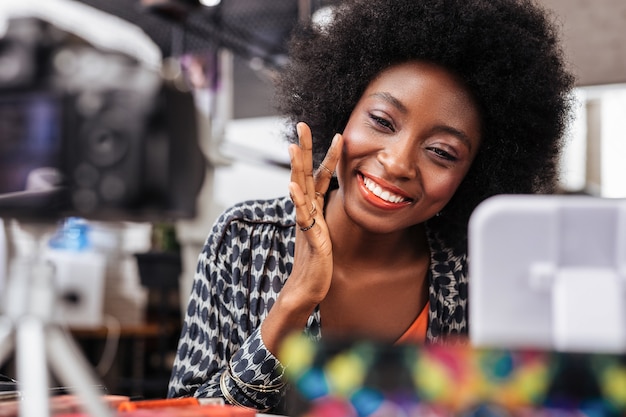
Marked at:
<point>288,315</point>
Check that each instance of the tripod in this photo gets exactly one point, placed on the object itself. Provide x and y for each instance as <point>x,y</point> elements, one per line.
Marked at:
<point>27,327</point>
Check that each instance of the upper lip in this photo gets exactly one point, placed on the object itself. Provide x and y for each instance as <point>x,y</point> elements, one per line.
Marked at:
<point>387,186</point>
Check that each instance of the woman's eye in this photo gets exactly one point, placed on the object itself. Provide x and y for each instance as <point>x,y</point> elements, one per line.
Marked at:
<point>443,154</point>
<point>383,122</point>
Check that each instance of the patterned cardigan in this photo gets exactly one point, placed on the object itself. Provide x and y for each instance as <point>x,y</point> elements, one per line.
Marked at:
<point>245,262</point>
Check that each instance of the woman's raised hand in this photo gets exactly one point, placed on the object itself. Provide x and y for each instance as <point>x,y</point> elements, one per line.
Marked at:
<point>313,263</point>
<point>312,270</point>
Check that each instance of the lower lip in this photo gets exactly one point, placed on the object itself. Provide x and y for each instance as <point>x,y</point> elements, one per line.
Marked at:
<point>376,201</point>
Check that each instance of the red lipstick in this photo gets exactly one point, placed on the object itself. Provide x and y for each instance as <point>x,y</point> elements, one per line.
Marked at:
<point>392,198</point>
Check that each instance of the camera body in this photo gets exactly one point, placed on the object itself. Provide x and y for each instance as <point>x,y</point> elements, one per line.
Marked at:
<point>90,132</point>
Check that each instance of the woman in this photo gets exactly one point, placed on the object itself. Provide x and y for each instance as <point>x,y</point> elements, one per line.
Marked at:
<point>411,113</point>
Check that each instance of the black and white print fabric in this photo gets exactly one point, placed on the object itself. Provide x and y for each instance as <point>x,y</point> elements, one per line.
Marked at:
<point>244,264</point>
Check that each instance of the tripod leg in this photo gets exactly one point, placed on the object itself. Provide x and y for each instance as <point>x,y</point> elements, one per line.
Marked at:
<point>31,368</point>
<point>68,363</point>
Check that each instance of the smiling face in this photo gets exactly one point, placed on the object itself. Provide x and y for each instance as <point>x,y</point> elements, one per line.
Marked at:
<point>408,144</point>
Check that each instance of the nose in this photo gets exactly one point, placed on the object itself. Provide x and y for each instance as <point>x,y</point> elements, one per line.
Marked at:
<point>399,158</point>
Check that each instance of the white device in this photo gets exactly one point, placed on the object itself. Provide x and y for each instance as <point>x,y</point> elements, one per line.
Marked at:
<point>548,272</point>
<point>79,286</point>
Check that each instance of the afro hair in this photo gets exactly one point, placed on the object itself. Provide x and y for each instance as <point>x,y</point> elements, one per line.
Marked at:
<point>507,53</point>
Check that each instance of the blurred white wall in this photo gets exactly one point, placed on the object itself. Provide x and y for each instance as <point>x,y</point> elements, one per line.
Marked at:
<point>252,151</point>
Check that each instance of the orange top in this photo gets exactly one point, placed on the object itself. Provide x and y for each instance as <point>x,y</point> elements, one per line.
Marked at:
<point>416,333</point>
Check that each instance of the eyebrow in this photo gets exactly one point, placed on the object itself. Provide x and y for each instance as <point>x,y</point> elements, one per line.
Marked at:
<point>388,97</point>
<point>457,133</point>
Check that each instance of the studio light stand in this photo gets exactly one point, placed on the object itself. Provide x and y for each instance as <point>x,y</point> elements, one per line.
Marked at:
<point>27,326</point>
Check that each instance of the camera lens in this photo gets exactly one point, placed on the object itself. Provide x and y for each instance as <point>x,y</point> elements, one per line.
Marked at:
<point>106,146</point>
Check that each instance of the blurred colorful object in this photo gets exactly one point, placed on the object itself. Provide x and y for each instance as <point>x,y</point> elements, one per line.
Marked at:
<point>361,378</point>
<point>460,377</point>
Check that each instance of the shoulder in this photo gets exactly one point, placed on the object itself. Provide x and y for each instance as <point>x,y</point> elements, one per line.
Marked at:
<point>279,211</point>
<point>244,217</point>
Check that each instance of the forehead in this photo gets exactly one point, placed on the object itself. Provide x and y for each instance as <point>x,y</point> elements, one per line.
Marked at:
<point>418,76</point>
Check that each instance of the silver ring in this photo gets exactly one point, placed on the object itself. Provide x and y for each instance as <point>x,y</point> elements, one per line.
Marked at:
<point>327,170</point>
<point>313,210</point>
<point>309,227</point>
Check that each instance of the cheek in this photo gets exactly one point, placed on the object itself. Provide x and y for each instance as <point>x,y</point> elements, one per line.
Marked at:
<point>442,186</point>
<point>348,151</point>
<point>357,142</point>
<point>350,140</point>
<point>355,149</point>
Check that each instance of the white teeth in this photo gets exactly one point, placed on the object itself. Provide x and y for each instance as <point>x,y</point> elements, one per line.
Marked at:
<point>379,192</point>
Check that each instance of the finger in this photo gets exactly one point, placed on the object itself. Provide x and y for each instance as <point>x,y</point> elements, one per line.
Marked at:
<point>304,218</point>
<point>297,173</point>
<point>306,147</point>
<point>324,173</point>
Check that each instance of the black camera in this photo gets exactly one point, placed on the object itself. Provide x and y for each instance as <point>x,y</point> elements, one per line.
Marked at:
<point>92,132</point>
